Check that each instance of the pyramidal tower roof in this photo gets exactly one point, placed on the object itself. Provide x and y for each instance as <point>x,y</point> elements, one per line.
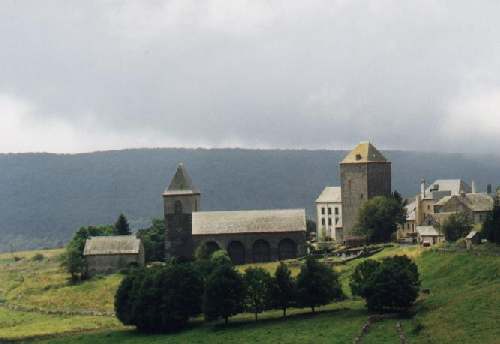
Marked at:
<point>364,152</point>
<point>181,183</point>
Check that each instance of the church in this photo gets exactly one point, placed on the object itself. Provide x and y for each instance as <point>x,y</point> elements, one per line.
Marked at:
<point>249,236</point>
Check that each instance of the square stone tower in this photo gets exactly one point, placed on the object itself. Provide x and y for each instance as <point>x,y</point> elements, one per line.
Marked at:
<point>180,200</point>
<point>364,174</point>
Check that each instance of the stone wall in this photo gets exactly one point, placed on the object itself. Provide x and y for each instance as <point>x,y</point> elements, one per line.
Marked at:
<point>112,263</point>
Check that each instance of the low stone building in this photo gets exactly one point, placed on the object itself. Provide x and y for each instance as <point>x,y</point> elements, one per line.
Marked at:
<point>428,236</point>
<point>248,235</point>
<point>110,254</point>
<point>476,205</point>
<point>329,214</point>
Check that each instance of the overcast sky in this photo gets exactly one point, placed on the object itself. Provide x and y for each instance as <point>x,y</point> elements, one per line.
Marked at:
<point>79,76</point>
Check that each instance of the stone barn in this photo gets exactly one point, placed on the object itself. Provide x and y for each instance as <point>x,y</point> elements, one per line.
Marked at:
<point>110,254</point>
<point>248,235</point>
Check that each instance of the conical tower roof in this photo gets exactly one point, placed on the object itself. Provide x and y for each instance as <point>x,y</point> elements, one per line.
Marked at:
<point>181,183</point>
<point>364,152</point>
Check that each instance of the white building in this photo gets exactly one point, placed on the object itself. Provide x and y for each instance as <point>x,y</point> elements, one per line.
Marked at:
<point>329,214</point>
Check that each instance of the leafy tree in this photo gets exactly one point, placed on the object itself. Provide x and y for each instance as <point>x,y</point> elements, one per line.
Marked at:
<point>283,288</point>
<point>224,293</point>
<point>491,226</point>
<point>153,239</point>
<point>362,273</point>
<point>159,299</point>
<point>310,227</point>
<point>379,217</point>
<point>456,226</point>
<point>121,226</point>
<point>202,252</point>
<point>317,285</point>
<point>258,290</point>
<point>220,257</point>
<point>393,286</point>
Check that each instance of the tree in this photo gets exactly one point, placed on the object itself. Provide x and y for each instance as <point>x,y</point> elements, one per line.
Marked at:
<point>456,226</point>
<point>491,226</point>
<point>317,285</point>
<point>220,257</point>
<point>258,290</point>
<point>393,286</point>
<point>362,273</point>
<point>310,227</point>
<point>159,299</point>
<point>378,218</point>
<point>224,293</point>
<point>283,288</point>
<point>121,226</point>
<point>153,239</point>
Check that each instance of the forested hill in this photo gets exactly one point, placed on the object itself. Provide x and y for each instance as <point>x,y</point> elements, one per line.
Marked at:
<point>44,198</point>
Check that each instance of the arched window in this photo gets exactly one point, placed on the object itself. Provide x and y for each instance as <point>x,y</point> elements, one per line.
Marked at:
<point>261,251</point>
<point>236,251</point>
<point>287,249</point>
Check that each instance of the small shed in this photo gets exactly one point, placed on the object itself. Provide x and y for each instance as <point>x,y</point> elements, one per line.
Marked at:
<point>110,254</point>
<point>428,236</point>
<point>473,238</point>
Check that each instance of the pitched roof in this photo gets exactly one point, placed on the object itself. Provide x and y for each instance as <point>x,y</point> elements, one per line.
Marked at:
<point>249,221</point>
<point>455,186</point>
<point>364,152</point>
<point>471,235</point>
<point>473,201</point>
<point>330,194</point>
<point>427,231</point>
<point>181,183</point>
<point>118,244</point>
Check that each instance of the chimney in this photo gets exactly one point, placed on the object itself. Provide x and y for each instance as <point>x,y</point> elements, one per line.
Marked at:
<point>422,188</point>
<point>473,185</point>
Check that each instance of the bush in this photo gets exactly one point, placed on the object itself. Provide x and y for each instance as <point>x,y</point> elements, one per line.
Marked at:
<point>224,293</point>
<point>491,227</point>
<point>283,288</point>
<point>153,239</point>
<point>456,226</point>
<point>38,257</point>
<point>258,284</point>
<point>392,286</point>
<point>159,299</point>
<point>461,243</point>
<point>317,285</point>
<point>360,276</point>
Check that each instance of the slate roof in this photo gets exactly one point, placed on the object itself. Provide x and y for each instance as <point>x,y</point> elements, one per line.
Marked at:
<point>364,152</point>
<point>105,245</point>
<point>455,186</point>
<point>330,194</point>
<point>427,231</point>
<point>249,221</point>
<point>181,183</point>
<point>478,202</point>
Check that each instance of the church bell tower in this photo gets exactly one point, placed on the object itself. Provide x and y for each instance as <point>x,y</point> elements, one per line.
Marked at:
<point>180,200</point>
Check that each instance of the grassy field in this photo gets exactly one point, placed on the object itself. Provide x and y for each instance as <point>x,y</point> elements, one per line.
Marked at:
<point>462,307</point>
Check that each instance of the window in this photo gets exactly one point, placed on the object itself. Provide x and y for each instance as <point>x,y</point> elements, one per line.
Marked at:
<point>428,207</point>
<point>336,220</point>
<point>362,196</point>
<point>336,211</point>
<point>178,207</point>
<point>323,211</point>
<point>323,221</point>
<point>329,221</point>
<point>329,211</point>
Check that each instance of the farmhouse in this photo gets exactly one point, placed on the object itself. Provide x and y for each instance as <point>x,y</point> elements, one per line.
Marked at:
<point>248,236</point>
<point>109,254</point>
<point>329,214</point>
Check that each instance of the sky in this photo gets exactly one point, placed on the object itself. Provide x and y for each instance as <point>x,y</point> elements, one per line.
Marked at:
<point>79,76</point>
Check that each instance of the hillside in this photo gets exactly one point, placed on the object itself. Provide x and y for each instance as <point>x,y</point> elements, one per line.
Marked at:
<point>44,198</point>
<point>462,307</point>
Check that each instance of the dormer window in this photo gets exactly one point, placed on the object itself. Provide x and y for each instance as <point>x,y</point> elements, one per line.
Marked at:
<point>358,157</point>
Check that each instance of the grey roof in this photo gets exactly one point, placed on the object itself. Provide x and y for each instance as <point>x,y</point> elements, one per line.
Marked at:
<point>364,152</point>
<point>181,183</point>
<point>455,186</point>
<point>427,231</point>
<point>249,221</point>
<point>474,201</point>
<point>330,194</point>
<point>119,244</point>
<point>471,235</point>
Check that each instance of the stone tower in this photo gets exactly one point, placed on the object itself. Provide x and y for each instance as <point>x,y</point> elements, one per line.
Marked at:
<point>364,174</point>
<point>180,200</point>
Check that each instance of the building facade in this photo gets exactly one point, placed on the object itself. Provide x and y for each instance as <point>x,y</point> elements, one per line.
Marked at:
<point>329,214</point>
<point>248,236</point>
<point>364,174</point>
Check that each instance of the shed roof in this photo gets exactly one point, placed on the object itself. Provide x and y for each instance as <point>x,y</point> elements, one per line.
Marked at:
<point>364,152</point>
<point>117,244</point>
<point>330,194</point>
<point>249,221</point>
<point>427,231</point>
<point>181,183</point>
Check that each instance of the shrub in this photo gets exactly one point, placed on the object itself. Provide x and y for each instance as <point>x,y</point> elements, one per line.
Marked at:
<point>283,288</point>
<point>392,286</point>
<point>461,243</point>
<point>360,276</point>
<point>317,285</point>
<point>38,257</point>
<point>456,226</point>
<point>491,226</point>
<point>159,299</point>
<point>257,290</point>
<point>224,293</point>
<point>153,239</point>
